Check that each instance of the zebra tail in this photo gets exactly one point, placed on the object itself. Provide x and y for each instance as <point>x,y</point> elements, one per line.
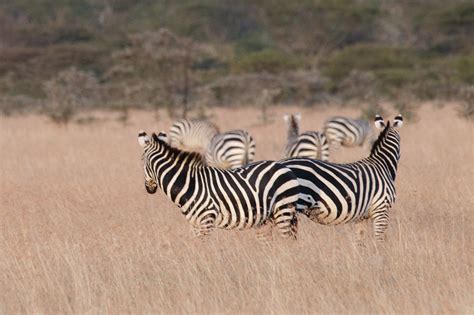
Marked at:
<point>248,147</point>
<point>246,155</point>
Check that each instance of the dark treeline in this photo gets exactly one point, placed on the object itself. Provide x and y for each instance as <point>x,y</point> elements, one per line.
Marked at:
<point>127,53</point>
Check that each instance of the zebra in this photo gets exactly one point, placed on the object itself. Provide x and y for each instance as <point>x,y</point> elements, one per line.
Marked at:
<point>254,196</point>
<point>232,149</point>
<point>347,132</point>
<point>192,135</point>
<point>310,144</point>
<point>339,193</point>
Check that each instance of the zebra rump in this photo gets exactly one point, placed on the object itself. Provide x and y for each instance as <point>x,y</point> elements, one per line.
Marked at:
<point>347,132</point>
<point>310,144</point>
<point>192,135</point>
<point>231,149</point>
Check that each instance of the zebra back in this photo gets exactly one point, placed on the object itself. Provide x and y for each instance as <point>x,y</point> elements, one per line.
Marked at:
<point>347,131</point>
<point>192,135</point>
<point>232,149</point>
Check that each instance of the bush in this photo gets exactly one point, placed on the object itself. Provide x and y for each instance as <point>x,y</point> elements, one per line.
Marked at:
<point>69,91</point>
<point>467,111</point>
<point>357,85</point>
<point>372,109</point>
<point>465,68</point>
<point>252,43</point>
<point>396,77</point>
<point>267,60</point>
<point>367,57</point>
<point>408,109</point>
<point>444,27</point>
<point>467,106</point>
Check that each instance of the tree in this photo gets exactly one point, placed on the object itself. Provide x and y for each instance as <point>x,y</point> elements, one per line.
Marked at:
<point>69,91</point>
<point>160,67</point>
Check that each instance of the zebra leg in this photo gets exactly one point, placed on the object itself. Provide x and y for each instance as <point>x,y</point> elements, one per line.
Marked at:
<point>381,218</point>
<point>205,225</point>
<point>336,144</point>
<point>265,231</point>
<point>361,229</point>
<point>286,221</point>
<point>314,214</point>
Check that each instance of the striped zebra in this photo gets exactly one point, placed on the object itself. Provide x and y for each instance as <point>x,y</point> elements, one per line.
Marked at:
<point>310,144</point>
<point>347,132</point>
<point>232,149</point>
<point>260,193</point>
<point>339,193</point>
<point>192,135</point>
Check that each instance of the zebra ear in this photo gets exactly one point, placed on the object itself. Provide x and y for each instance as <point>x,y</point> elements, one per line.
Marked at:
<point>379,122</point>
<point>160,137</point>
<point>286,118</point>
<point>298,116</point>
<point>163,137</point>
<point>143,138</point>
<point>398,121</point>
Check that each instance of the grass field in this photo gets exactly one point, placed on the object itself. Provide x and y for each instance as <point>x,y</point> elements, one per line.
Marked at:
<point>79,233</point>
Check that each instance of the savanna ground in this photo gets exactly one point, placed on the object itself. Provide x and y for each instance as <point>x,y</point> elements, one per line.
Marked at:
<point>80,234</point>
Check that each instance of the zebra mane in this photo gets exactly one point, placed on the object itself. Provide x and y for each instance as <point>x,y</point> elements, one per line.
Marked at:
<point>192,156</point>
<point>380,139</point>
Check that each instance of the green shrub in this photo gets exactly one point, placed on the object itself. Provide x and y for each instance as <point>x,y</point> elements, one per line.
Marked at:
<point>396,77</point>
<point>367,57</point>
<point>369,111</point>
<point>466,110</point>
<point>451,19</point>
<point>465,68</point>
<point>267,60</point>
<point>252,43</point>
<point>213,20</point>
<point>408,108</point>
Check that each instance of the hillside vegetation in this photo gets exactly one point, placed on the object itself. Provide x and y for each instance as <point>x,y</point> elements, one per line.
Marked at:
<point>163,53</point>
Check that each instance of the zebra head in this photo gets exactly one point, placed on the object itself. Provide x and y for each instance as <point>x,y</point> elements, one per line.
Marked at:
<point>387,146</point>
<point>150,146</point>
<point>381,125</point>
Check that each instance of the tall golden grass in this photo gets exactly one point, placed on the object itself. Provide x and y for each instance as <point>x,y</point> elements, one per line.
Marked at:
<point>79,233</point>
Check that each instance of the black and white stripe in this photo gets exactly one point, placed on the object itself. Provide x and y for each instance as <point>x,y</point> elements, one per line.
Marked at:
<point>347,132</point>
<point>340,193</point>
<point>192,135</point>
<point>209,197</point>
<point>232,149</point>
<point>310,144</point>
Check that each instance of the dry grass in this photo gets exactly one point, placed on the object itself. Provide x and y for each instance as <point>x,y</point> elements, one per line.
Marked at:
<point>80,234</point>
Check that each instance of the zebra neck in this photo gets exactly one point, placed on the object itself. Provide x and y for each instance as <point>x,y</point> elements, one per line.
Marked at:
<point>386,154</point>
<point>175,171</point>
<point>174,179</point>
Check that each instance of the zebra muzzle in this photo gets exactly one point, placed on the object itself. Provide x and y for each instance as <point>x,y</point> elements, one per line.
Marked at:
<point>151,186</point>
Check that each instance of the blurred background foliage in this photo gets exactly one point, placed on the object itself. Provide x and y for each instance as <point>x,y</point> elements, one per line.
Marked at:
<point>143,53</point>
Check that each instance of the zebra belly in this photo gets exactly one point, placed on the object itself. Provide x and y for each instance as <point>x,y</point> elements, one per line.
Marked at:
<point>228,220</point>
<point>328,211</point>
<point>240,215</point>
